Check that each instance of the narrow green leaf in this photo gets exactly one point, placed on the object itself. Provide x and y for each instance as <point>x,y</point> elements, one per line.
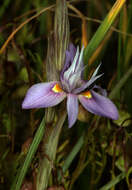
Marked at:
<point>61,32</point>
<point>72,154</point>
<point>103,29</point>
<point>113,182</point>
<point>119,65</point>
<point>121,83</point>
<point>32,150</point>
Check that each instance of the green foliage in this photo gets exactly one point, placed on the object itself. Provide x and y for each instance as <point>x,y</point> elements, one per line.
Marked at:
<point>93,154</point>
<point>29,157</point>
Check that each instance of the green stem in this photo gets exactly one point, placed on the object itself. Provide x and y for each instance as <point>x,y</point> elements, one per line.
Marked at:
<point>121,83</point>
<point>49,152</point>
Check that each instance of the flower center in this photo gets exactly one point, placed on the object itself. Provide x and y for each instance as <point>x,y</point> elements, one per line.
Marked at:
<point>57,88</point>
<point>87,94</point>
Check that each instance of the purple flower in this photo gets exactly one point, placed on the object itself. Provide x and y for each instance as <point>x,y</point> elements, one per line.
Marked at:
<point>72,86</point>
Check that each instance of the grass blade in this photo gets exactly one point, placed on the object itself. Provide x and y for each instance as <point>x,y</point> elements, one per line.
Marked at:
<point>103,29</point>
<point>113,182</point>
<point>121,83</point>
<point>32,150</point>
<point>72,155</point>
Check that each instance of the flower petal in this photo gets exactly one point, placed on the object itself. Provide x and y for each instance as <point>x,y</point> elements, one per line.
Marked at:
<point>77,74</point>
<point>87,84</point>
<point>80,65</point>
<point>69,57</point>
<point>72,67</point>
<point>99,105</point>
<point>72,50</point>
<point>41,95</point>
<point>90,82</point>
<point>96,71</point>
<point>101,90</point>
<point>72,109</point>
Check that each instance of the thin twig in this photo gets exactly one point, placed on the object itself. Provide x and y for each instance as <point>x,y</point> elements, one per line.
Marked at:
<point>99,22</point>
<point>21,26</point>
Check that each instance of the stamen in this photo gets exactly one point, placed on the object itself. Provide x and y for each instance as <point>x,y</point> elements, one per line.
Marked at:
<point>87,94</point>
<point>57,88</point>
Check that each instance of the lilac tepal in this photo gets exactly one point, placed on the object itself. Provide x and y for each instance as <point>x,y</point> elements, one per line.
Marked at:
<point>74,88</point>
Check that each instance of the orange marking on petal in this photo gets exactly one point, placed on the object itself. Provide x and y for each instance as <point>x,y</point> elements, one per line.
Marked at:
<point>87,94</point>
<point>57,88</point>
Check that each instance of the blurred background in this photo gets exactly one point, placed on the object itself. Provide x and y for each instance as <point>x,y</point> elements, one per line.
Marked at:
<point>107,150</point>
